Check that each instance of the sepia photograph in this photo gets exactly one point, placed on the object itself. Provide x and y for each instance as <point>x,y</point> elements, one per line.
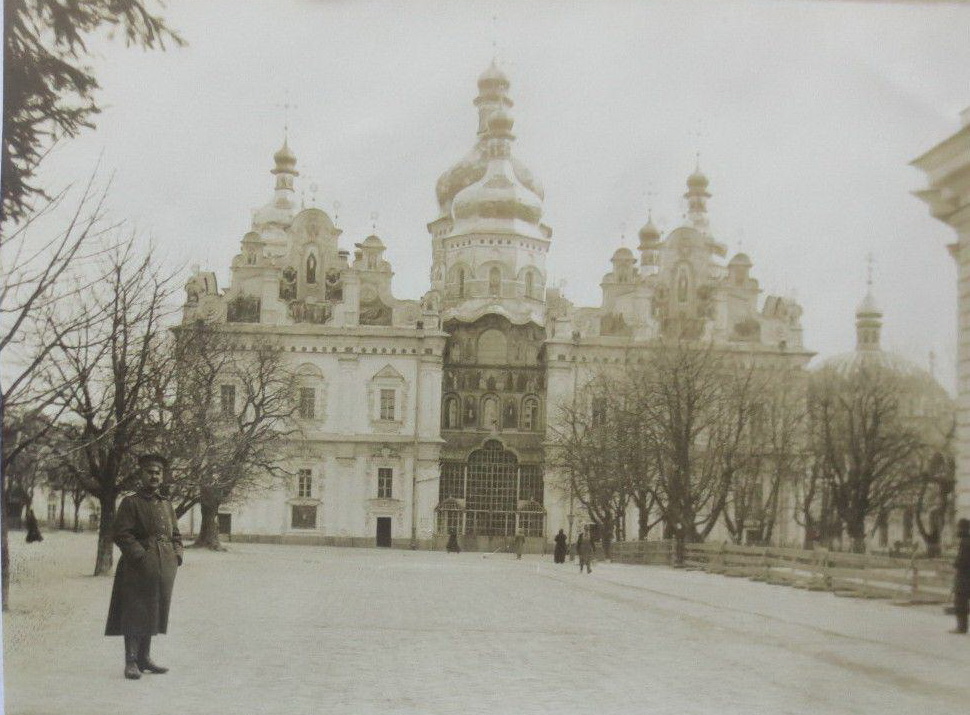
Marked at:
<point>499,356</point>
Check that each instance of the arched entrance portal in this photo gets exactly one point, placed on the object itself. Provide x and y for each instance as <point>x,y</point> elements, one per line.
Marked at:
<point>491,494</point>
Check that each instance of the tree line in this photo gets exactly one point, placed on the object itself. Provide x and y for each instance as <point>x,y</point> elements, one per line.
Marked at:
<point>694,436</point>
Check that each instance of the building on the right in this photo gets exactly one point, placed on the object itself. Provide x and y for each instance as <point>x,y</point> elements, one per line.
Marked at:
<point>947,167</point>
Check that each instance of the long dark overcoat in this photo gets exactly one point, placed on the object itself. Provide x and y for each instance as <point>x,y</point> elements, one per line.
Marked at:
<point>559,556</point>
<point>146,531</point>
<point>961,577</point>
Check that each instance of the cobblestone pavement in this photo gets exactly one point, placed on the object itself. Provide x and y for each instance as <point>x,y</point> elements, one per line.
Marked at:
<point>299,630</point>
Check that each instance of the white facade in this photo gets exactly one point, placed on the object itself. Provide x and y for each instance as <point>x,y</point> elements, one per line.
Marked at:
<point>477,368</point>
<point>947,167</point>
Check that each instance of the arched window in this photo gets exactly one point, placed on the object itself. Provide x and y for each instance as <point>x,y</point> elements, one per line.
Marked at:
<point>492,348</point>
<point>311,269</point>
<point>494,281</point>
<point>451,413</point>
<point>530,414</point>
<point>510,414</point>
<point>529,285</point>
<point>461,282</point>
<point>490,412</point>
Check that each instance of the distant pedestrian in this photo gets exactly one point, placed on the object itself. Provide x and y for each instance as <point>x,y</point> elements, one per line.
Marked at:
<point>961,579</point>
<point>559,554</point>
<point>33,528</point>
<point>519,544</point>
<point>452,546</point>
<point>146,531</point>
<point>584,548</point>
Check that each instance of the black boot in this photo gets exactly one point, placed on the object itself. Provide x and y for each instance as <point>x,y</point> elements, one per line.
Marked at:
<point>131,658</point>
<point>145,663</point>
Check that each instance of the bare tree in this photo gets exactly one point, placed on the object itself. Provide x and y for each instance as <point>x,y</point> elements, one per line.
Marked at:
<point>230,421</point>
<point>772,452</point>
<point>47,263</point>
<point>862,443</point>
<point>695,404</point>
<point>673,434</point>
<point>934,489</point>
<point>590,445</point>
<point>110,368</point>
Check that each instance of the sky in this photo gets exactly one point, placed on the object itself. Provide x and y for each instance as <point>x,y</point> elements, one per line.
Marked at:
<point>804,114</point>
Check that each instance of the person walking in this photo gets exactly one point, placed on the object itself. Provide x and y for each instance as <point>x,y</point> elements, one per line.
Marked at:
<point>519,544</point>
<point>584,548</point>
<point>146,531</point>
<point>452,547</point>
<point>961,579</point>
<point>33,528</point>
<point>559,553</point>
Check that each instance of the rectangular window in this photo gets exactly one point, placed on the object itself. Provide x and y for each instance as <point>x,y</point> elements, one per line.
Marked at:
<point>387,404</point>
<point>304,484</point>
<point>227,398</point>
<point>52,512</point>
<point>385,479</point>
<point>304,517</point>
<point>308,398</point>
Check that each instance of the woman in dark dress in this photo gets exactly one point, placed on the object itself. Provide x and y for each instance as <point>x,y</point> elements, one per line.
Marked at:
<point>33,528</point>
<point>559,554</point>
<point>453,547</point>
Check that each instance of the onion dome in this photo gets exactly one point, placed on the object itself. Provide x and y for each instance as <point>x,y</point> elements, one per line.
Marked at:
<point>697,180</point>
<point>623,254</point>
<point>283,206</point>
<point>741,259</point>
<point>492,97</point>
<point>649,233</point>
<point>492,77</point>
<point>285,161</point>
<point>499,198</point>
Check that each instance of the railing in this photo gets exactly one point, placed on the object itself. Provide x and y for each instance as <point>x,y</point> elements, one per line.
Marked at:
<point>906,580</point>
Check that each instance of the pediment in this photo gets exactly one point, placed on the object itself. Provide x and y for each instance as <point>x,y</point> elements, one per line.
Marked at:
<point>388,373</point>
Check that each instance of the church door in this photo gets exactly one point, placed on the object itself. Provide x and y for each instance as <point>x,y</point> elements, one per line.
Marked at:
<point>384,531</point>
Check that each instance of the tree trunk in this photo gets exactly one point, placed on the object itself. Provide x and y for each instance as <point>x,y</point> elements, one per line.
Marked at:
<point>105,557</point>
<point>63,501</point>
<point>858,543</point>
<point>4,553</point>
<point>208,537</point>
<point>77,517</point>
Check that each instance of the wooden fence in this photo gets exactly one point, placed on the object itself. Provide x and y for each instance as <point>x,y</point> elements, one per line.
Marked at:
<point>906,580</point>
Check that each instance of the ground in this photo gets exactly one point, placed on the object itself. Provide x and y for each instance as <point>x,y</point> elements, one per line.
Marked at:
<point>300,629</point>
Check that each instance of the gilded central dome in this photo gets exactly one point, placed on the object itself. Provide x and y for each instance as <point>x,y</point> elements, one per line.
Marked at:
<point>499,193</point>
<point>492,98</point>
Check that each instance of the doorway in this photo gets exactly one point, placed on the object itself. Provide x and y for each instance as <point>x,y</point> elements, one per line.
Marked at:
<point>225,525</point>
<point>384,531</point>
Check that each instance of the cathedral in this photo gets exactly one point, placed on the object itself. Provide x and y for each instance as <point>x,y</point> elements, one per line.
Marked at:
<point>426,416</point>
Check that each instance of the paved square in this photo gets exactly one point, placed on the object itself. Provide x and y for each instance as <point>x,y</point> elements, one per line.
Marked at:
<point>294,630</point>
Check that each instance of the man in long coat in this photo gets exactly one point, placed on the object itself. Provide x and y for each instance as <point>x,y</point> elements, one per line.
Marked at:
<point>146,531</point>
<point>961,579</point>
<point>584,548</point>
